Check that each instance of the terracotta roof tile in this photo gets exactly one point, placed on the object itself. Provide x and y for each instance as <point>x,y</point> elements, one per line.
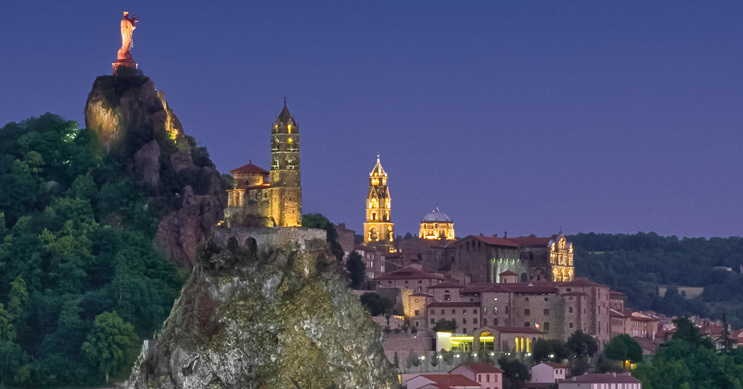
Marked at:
<point>494,241</point>
<point>449,380</point>
<point>603,379</point>
<point>481,368</point>
<point>249,168</point>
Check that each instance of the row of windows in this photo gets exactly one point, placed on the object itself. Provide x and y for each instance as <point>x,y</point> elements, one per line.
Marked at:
<point>545,312</point>
<point>453,311</point>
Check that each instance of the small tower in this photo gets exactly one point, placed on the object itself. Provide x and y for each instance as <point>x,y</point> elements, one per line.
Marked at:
<point>378,229</point>
<point>436,226</point>
<point>561,258</point>
<point>286,182</point>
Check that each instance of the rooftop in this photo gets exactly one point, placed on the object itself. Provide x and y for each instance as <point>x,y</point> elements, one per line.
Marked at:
<point>480,368</point>
<point>446,381</point>
<point>436,216</point>
<point>248,169</point>
<point>608,378</point>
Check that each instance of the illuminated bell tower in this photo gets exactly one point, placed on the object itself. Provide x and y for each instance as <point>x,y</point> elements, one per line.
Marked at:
<point>286,183</point>
<point>561,259</point>
<point>378,230</point>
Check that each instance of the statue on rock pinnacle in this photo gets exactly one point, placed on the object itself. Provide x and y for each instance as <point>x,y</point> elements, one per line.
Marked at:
<point>128,24</point>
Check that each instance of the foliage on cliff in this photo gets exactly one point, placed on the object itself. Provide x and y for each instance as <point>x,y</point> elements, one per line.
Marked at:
<point>637,264</point>
<point>76,245</point>
<point>267,316</point>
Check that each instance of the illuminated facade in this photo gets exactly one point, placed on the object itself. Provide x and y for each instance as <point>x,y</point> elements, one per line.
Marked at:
<point>378,229</point>
<point>437,225</point>
<point>561,259</point>
<point>273,198</point>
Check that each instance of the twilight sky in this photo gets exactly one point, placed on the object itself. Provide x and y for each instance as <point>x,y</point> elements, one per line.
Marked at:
<point>518,116</point>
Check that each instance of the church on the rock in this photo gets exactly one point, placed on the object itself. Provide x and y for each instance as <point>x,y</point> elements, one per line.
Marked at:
<point>272,198</point>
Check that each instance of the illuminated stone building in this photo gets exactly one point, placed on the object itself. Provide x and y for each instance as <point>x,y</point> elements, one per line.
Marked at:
<point>271,198</point>
<point>379,231</point>
<point>436,226</point>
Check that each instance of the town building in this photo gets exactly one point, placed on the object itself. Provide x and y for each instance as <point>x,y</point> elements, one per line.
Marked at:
<point>379,231</point>
<point>488,376</point>
<point>548,372</point>
<point>271,198</point>
<point>601,381</point>
<point>441,381</point>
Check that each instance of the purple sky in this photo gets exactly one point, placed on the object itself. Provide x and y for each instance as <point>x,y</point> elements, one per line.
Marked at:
<point>600,116</point>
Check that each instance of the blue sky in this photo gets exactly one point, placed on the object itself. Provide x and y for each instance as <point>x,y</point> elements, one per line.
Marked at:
<point>521,116</point>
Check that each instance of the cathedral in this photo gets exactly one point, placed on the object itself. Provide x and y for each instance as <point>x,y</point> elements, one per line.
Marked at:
<point>271,198</point>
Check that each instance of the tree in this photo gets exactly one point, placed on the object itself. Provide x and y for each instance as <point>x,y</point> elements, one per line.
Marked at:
<point>110,343</point>
<point>316,220</point>
<point>582,344</point>
<point>725,340</point>
<point>356,269</point>
<point>623,348</point>
<point>435,359</point>
<point>443,325</point>
<point>549,350</point>
<point>376,304</point>
<point>515,373</point>
<point>396,361</point>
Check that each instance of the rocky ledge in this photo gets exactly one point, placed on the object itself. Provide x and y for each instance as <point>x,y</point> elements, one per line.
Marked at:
<point>263,308</point>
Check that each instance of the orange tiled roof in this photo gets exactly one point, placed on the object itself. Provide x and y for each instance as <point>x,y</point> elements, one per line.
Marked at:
<point>483,368</point>
<point>249,168</point>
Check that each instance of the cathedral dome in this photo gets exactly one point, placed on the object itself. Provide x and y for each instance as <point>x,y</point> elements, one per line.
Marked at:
<point>436,216</point>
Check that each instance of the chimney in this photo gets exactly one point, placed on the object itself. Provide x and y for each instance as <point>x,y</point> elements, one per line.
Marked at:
<point>505,234</point>
<point>495,235</point>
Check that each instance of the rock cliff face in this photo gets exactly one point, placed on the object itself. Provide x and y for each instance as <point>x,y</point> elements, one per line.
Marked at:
<point>137,127</point>
<point>264,309</point>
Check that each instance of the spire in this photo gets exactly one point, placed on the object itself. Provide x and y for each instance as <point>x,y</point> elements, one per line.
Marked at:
<point>378,170</point>
<point>285,116</point>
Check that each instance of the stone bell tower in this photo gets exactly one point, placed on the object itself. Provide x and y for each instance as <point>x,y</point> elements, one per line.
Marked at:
<point>286,182</point>
<point>378,229</point>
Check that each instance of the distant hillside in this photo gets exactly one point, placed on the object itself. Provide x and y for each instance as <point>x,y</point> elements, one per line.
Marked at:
<point>638,264</point>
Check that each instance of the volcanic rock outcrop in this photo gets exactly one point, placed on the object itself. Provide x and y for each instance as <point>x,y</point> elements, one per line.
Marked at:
<point>136,126</point>
<point>264,308</point>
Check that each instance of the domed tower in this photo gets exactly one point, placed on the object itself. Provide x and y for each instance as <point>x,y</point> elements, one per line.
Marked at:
<point>437,225</point>
<point>378,229</point>
<point>286,181</point>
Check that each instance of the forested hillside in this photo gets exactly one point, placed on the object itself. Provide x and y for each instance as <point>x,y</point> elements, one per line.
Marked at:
<point>637,264</point>
<point>80,281</point>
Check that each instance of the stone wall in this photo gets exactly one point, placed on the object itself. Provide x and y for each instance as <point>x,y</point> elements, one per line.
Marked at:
<point>268,236</point>
<point>421,343</point>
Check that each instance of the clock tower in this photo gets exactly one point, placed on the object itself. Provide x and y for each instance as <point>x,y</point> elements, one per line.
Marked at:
<point>378,229</point>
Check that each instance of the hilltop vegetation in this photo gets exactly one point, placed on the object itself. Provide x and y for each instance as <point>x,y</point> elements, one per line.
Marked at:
<point>637,264</point>
<point>80,281</point>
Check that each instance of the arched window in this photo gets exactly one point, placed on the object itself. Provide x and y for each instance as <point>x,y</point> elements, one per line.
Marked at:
<point>373,234</point>
<point>374,216</point>
<point>523,277</point>
<point>251,245</point>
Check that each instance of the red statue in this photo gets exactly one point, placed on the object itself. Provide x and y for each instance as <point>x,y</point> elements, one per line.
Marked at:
<point>128,24</point>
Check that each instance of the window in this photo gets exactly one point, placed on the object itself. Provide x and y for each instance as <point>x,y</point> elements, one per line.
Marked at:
<point>453,311</point>
<point>464,330</point>
<point>527,324</point>
<point>546,326</point>
<point>464,311</point>
<point>484,322</point>
<point>433,311</point>
<point>442,311</point>
<point>546,312</point>
<point>420,289</point>
<point>495,310</point>
<point>526,299</point>
<point>417,313</point>
<point>495,321</point>
<point>546,299</point>
<point>406,282</point>
<point>484,310</point>
<point>571,324</point>
<point>433,321</point>
<point>475,311</point>
<point>570,310</point>
<point>420,281</point>
<point>474,321</point>
<point>527,312</point>
<point>447,297</point>
<point>464,321</point>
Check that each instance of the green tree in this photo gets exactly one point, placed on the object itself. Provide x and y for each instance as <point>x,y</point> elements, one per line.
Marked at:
<point>515,373</point>
<point>110,344</point>
<point>443,325</point>
<point>18,297</point>
<point>376,304</point>
<point>356,270</point>
<point>623,348</point>
<point>316,220</point>
<point>550,350</point>
<point>582,344</point>
<point>396,361</point>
